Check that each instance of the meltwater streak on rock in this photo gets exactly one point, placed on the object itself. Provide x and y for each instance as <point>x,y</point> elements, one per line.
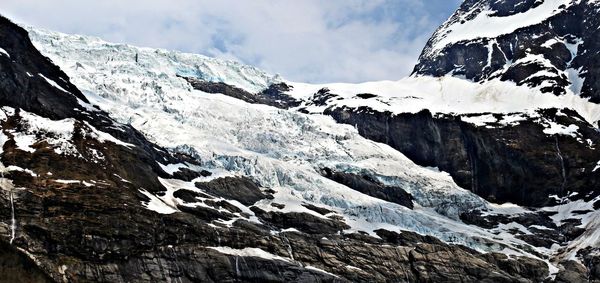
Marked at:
<point>13,223</point>
<point>6,186</point>
<point>562,167</point>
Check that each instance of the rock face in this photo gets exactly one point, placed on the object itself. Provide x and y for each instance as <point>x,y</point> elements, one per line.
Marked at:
<point>519,164</point>
<point>24,76</point>
<point>370,186</point>
<point>16,267</point>
<point>241,189</point>
<point>546,44</point>
<point>274,95</point>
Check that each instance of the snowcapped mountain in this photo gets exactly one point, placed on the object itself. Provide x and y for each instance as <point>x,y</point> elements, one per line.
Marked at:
<point>550,45</point>
<point>135,164</point>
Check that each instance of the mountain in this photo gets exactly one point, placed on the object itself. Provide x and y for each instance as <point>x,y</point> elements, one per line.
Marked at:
<point>549,45</point>
<point>128,164</point>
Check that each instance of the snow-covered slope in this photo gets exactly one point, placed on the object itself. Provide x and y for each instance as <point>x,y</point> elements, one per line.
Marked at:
<point>285,150</point>
<point>445,95</point>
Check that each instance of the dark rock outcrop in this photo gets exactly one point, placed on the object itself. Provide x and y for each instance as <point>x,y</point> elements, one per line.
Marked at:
<point>369,186</point>
<point>188,175</point>
<point>320,210</point>
<point>241,189</point>
<point>302,221</point>
<point>188,196</point>
<point>274,95</point>
<point>518,164</point>
<point>26,78</point>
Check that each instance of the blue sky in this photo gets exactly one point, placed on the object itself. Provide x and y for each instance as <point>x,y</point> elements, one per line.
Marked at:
<point>307,40</point>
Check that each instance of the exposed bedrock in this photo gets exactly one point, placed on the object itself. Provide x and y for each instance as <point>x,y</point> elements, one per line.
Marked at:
<point>517,163</point>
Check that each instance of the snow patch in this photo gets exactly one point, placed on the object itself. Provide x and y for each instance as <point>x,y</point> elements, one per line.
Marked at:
<point>104,137</point>
<point>67,181</point>
<point>53,83</point>
<point>576,80</point>
<point>157,205</point>
<point>597,167</point>
<point>249,252</point>
<point>479,120</point>
<point>558,129</point>
<point>24,142</point>
<point>3,52</point>
<point>57,134</point>
<point>319,270</point>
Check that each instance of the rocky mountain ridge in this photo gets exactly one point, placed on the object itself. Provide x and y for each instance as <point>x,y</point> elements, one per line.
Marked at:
<point>550,45</point>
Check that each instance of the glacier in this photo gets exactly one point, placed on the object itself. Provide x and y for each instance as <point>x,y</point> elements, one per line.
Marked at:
<point>284,149</point>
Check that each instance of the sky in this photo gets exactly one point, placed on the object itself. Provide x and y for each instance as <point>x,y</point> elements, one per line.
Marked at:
<point>302,40</point>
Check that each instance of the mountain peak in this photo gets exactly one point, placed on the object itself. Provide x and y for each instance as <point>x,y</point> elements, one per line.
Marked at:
<point>30,81</point>
<point>550,45</point>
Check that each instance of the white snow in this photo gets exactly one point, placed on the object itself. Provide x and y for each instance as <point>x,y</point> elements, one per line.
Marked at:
<point>171,168</point>
<point>589,238</point>
<point>53,83</point>
<point>17,168</point>
<point>447,95</point>
<point>512,119</point>
<point>24,142</point>
<point>481,120</point>
<point>319,270</point>
<point>104,137</point>
<point>557,129</point>
<point>249,252</point>
<point>573,46</point>
<point>156,204</point>
<point>484,25</point>
<point>3,52</point>
<point>282,150</point>
<point>57,133</point>
<point>550,42</point>
<point>590,221</point>
<point>576,80</point>
<point>120,60</point>
<point>3,140</point>
<point>597,167</point>
<point>67,181</point>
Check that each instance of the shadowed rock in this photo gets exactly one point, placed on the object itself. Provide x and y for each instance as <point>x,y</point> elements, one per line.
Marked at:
<point>371,187</point>
<point>241,189</point>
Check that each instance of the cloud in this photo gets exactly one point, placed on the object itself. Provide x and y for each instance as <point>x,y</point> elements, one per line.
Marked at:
<point>310,40</point>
